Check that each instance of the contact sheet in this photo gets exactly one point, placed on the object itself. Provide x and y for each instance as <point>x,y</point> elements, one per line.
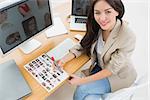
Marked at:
<point>41,69</point>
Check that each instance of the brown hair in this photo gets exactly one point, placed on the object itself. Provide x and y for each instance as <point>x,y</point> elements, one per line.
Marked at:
<point>93,27</point>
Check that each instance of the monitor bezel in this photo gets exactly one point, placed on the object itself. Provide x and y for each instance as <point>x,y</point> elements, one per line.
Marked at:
<point>28,38</point>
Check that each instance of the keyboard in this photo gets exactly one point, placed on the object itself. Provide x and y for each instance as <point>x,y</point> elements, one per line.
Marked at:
<point>61,49</point>
<point>80,20</point>
<point>41,69</point>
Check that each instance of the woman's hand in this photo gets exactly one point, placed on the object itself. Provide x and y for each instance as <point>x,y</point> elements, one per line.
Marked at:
<point>53,66</point>
<point>57,64</point>
<point>61,62</point>
<point>65,59</point>
<point>75,80</point>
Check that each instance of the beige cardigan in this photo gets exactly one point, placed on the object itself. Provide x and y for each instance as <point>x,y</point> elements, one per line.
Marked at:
<point>116,56</point>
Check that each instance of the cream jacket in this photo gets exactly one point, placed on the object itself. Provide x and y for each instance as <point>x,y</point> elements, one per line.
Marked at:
<point>116,55</point>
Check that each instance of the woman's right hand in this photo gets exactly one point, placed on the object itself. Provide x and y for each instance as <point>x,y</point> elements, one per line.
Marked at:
<point>61,62</point>
<point>65,59</point>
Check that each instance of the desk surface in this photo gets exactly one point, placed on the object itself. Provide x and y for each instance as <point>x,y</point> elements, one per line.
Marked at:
<point>38,92</point>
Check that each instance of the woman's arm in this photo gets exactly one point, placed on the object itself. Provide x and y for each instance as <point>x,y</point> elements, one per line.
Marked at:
<point>100,75</point>
<point>66,59</point>
<point>73,53</point>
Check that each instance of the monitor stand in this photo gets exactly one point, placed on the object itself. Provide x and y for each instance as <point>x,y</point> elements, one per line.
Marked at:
<point>30,46</point>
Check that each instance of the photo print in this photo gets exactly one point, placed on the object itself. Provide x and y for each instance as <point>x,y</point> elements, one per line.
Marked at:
<point>3,16</point>
<point>13,38</point>
<point>24,9</point>
<point>41,3</point>
<point>30,26</point>
<point>47,19</point>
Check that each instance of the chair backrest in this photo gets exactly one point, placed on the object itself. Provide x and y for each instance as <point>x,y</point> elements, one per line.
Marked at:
<point>126,93</point>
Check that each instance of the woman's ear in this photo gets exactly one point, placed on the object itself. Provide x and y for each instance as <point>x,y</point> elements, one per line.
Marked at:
<point>117,13</point>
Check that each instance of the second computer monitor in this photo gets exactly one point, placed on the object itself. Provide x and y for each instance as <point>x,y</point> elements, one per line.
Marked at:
<point>80,7</point>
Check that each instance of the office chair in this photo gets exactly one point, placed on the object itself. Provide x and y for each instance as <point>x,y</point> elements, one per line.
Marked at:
<point>127,93</point>
<point>122,94</point>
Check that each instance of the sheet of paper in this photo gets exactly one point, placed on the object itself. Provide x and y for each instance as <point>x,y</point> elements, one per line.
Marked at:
<point>41,69</point>
<point>57,29</point>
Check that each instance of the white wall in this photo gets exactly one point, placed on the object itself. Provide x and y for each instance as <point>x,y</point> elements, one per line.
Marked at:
<point>137,15</point>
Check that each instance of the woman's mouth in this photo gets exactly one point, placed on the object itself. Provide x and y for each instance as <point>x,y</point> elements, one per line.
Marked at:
<point>104,24</point>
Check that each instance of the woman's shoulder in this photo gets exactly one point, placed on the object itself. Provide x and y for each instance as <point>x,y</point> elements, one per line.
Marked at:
<point>126,31</point>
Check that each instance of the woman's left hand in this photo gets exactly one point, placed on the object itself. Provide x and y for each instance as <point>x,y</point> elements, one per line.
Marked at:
<point>75,80</point>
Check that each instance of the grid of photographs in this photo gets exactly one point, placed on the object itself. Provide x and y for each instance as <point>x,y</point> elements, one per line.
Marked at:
<point>41,69</point>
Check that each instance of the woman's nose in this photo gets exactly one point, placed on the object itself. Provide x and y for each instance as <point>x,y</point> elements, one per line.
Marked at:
<point>103,17</point>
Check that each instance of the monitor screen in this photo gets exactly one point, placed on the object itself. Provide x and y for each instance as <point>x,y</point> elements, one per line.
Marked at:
<point>80,7</point>
<point>22,20</point>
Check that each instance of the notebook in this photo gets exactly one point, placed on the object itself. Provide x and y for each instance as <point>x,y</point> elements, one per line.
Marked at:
<point>80,9</point>
<point>12,84</point>
<point>41,69</point>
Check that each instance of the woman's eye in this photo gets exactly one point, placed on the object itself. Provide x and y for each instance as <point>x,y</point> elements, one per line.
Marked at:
<point>97,13</point>
<point>108,12</point>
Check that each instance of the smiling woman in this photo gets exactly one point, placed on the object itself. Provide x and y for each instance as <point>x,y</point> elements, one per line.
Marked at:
<point>105,42</point>
<point>105,16</point>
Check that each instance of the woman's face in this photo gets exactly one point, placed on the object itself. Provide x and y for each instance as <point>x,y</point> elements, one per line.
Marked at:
<point>105,15</point>
<point>32,25</point>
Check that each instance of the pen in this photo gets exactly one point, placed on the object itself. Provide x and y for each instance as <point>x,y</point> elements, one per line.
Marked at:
<point>55,63</point>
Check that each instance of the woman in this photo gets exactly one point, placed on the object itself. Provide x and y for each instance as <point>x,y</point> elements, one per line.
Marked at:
<point>110,43</point>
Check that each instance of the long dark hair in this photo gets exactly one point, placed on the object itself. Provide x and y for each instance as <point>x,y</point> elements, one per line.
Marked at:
<point>93,27</point>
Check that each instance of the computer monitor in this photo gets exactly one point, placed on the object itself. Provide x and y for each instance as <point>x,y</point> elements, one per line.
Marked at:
<point>22,20</point>
<point>80,7</point>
